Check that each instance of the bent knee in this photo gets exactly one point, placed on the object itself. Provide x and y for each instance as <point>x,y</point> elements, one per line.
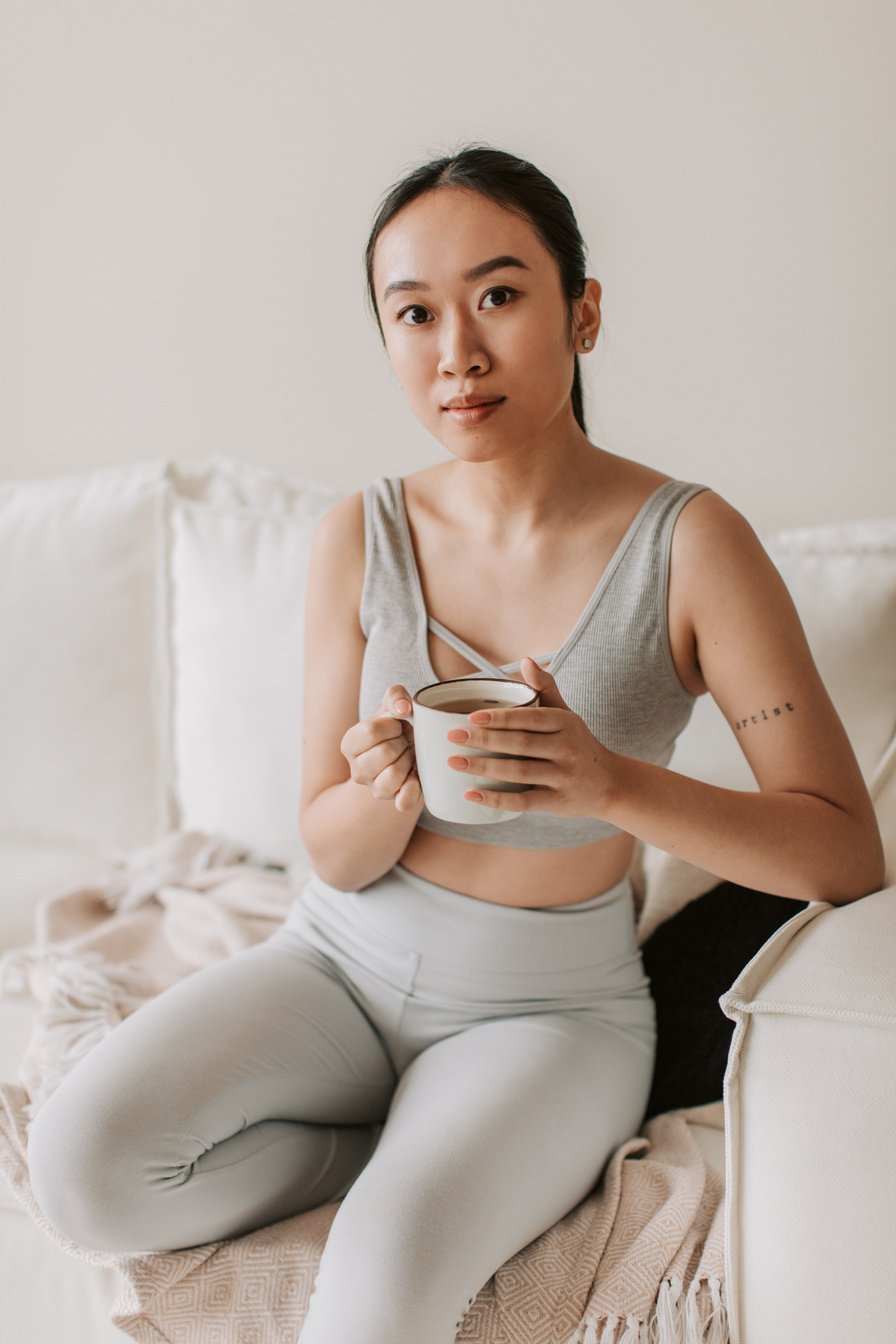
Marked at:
<point>78,1166</point>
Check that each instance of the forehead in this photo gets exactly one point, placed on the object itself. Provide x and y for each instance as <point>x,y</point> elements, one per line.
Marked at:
<point>445,232</point>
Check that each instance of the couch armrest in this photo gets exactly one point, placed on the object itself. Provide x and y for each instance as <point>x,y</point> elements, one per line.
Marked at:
<point>810,1101</point>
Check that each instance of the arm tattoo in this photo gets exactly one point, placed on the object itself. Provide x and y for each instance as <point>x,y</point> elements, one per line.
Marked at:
<point>762,717</point>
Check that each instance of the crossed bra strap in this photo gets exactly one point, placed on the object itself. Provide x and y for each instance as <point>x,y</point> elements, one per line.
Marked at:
<point>491,669</point>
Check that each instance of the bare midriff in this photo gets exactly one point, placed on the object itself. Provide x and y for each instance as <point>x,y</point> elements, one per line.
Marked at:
<point>522,877</point>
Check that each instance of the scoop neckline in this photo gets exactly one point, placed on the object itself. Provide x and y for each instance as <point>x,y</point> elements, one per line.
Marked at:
<point>397,485</point>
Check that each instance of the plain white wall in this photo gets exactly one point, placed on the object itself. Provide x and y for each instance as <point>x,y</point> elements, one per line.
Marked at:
<point>187,190</point>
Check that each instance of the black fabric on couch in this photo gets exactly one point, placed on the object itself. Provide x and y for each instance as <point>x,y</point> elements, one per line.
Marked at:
<point>692,959</point>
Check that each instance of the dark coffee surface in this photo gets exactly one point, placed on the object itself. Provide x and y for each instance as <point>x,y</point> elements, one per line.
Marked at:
<point>469,705</point>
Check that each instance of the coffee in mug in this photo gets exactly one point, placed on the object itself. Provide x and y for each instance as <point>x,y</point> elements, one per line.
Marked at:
<point>444,705</point>
<point>467,705</point>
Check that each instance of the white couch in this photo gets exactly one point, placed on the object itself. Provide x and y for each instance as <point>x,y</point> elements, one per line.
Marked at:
<point>151,675</point>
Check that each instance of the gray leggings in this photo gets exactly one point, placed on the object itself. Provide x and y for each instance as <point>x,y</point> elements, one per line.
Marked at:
<point>459,1071</point>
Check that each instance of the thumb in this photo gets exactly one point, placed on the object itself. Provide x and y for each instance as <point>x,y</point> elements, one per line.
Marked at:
<point>535,676</point>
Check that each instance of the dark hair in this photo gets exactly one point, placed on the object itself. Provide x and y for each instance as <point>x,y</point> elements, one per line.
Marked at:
<point>518,186</point>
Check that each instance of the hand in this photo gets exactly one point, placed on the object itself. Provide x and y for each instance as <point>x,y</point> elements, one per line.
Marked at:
<point>570,771</point>
<point>380,752</point>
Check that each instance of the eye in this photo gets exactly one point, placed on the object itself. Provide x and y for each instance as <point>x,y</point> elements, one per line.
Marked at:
<point>418,308</point>
<point>500,289</point>
<point>414,308</point>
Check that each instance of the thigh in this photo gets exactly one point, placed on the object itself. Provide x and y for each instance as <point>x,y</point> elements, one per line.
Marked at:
<point>275,1014</point>
<point>235,1097</point>
<point>493,1135</point>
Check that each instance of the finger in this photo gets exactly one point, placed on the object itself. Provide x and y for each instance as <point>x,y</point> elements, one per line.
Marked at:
<point>372,765</point>
<point>384,728</point>
<point>511,769</point>
<point>397,701</point>
<point>534,719</point>
<point>410,793</point>
<point>509,740</point>
<point>390,780</point>
<point>510,802</point>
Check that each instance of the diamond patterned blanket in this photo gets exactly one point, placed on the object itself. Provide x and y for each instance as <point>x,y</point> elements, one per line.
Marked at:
<point>640,1259</point>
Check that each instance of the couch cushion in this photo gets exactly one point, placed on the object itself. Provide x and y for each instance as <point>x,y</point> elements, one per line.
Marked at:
<point>239,566</point>
<point>812,1072</point>
<point>84,711</point>
<point>48,1294</point>
<point>883,795</point>
<point>31,870</point>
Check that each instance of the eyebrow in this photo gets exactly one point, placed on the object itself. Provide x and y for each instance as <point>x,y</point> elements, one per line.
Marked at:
<point>484,268</point>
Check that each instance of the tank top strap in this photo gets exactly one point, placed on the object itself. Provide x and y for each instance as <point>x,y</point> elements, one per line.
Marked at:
<point>650,537</point>
<point>388,576</point>
<point>672,506</point>
<point>467,650</point>
<point>391,576</point>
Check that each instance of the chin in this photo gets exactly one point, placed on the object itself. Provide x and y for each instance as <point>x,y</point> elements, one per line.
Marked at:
<point>475,450</point>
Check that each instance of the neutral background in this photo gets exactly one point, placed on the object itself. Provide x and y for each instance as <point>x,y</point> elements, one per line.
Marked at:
<point>187,190</point>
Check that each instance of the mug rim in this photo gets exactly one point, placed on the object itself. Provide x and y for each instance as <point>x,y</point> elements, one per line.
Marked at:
<point>493,681</point>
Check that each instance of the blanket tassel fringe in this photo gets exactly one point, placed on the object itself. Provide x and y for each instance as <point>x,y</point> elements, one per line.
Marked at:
<point>699,1316</point>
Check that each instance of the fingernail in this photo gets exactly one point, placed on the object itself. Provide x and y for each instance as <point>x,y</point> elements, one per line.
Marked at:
<point>402,706</point>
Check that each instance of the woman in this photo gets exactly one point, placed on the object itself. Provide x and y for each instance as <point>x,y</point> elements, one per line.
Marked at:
<point>453,1031</point>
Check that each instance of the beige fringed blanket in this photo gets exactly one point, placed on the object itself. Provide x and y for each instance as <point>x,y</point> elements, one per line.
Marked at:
<point>640,1261</point>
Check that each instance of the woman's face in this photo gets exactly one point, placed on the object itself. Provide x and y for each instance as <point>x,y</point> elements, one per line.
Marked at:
<point>451,333</point>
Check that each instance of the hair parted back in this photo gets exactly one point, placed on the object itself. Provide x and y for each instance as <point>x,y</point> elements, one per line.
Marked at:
<point>515,184</point>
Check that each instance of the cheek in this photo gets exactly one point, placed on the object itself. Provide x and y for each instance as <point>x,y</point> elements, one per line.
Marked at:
<point>417,374</point>
<point>540,356</point>
<point>409,364</point>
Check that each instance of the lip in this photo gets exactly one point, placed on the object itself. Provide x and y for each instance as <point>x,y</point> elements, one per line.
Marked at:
<point>472,415</point>
<point>467,403</point>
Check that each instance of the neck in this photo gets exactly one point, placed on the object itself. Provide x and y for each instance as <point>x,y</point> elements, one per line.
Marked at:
<point>515,498</point>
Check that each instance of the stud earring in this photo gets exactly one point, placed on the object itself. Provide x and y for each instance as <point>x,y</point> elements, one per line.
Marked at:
<point>587,343</point>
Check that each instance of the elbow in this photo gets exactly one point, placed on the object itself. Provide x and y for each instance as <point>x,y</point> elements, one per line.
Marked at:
<point>321,868</point>
<point>864,873</point>
<point>329,864</point>
<point>306,835</point>
<point>325,868</point>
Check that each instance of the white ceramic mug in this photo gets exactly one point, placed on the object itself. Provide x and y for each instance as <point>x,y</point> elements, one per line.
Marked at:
<point>444,787</point>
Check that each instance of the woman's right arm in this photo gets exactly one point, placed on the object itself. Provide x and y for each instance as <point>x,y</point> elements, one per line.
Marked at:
<point>352,834</point>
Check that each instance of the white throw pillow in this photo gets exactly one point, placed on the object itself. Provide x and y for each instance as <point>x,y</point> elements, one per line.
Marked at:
<point>239,565</point>
<point>84,729</point>
<point>883,795</point>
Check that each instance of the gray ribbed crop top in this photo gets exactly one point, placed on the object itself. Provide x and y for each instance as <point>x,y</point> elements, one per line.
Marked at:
<point>614,669</point>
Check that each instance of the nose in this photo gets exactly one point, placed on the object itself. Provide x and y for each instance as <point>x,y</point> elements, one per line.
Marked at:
<point>461,349</point>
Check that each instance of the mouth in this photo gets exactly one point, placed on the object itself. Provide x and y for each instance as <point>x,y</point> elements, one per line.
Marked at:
<point>471,415</point>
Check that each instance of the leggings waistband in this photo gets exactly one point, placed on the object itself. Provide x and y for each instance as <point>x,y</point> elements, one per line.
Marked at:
<point>449,926</point>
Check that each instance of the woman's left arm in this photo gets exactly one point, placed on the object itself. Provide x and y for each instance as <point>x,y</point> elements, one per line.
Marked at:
<point>810,833</point>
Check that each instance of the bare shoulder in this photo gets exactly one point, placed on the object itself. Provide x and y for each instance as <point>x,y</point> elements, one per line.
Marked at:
<point>713,543</point>
<point>334,644</point>
<point>345,519</point>
<point>338,542</point>
<point>707,516</point>
<point>719,575</point>
<point>617,489</point>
